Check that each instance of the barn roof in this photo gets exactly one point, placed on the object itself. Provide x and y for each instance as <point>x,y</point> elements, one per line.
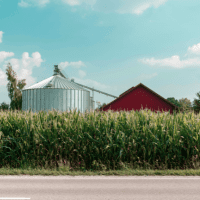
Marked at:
<point>133,88</point>
<point>127,91</point>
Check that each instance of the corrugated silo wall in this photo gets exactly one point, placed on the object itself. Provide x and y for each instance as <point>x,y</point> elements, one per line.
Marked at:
<point>59,99</point>
<point>92,103</point>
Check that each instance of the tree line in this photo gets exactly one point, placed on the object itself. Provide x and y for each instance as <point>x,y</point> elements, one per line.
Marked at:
<point>15,87</point>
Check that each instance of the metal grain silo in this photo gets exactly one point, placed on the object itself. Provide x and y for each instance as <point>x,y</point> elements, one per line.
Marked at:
<point>56,92</point>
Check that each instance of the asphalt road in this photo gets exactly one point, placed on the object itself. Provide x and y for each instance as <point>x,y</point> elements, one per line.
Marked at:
<point>100,187</point>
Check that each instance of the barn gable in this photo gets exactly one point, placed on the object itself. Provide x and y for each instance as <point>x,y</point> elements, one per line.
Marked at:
<point>140,96</point>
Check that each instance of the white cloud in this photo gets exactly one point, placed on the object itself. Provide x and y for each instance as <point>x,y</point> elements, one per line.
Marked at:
<point>1,36</point>
<point>27,3</point>
<point>4,55</point>
<point>81,73</point>
<point>173,61</point>
<point>79,2</point>
<point>23,68</point>
<point>139,6</point>
<point>72,2</point>
<point>119,6</point>
<point>195,49</point>
<point>92,83</point>
<point>23,4</point>
<point>42,3</point>
<point>36,59</point>
<point>76,65</point>
<point>145,77</point>
<point>3,78</point>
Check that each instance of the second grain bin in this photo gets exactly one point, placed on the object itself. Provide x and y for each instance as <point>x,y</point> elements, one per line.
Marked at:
<point>56,92</point>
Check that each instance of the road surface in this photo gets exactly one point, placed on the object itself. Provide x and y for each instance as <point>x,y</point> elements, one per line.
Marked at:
<point>100,187</point>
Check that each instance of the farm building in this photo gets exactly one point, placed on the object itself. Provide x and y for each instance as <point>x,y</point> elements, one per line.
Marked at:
<point>139,97</point>
<point>60,93</point>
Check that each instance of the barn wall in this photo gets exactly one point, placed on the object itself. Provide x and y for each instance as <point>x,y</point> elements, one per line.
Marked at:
<point>136,98</point>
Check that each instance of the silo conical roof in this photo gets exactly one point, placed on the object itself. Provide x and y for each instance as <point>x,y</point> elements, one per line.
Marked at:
<point>56,81</point>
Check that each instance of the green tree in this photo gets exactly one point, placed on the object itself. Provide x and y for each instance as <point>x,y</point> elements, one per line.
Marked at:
<point>14,88</point>
<point>175,102</point>
<point>186,105</point>
<point>100,106</point>
<point>196,104</point>
<point>4,106</point>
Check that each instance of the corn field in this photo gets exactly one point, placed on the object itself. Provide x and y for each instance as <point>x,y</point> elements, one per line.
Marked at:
<point>99,140</point>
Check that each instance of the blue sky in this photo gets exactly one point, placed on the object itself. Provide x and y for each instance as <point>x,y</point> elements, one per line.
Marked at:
<point>111,45</point>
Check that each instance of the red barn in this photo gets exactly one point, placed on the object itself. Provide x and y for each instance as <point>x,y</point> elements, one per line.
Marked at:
<point>139,97</point>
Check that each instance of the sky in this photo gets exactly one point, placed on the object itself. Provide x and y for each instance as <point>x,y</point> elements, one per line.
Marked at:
<point>111,45</point>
